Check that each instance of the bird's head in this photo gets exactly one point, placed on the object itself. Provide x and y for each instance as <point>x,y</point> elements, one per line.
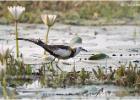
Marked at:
<point>82,49</point>
<point>78,49</point>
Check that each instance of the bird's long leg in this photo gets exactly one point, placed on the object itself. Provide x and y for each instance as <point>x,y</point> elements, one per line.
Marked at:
<point>58,66</point>
<point>52,62</point>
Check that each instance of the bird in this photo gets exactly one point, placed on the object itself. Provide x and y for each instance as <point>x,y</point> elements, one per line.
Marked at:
<point>58,51</point>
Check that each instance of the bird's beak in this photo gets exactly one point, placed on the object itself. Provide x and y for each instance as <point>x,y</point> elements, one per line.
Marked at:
<point>85,50</point>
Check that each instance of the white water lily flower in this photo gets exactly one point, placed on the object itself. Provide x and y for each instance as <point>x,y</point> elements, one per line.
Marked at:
<point>48,19</point>
<point>16,11</point>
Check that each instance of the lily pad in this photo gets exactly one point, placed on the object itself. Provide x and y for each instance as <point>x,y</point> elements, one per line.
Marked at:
<point>98,56</point>
<point>75,40</point>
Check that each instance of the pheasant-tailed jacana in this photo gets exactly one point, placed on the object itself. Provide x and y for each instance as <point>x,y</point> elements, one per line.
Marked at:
<point>58,51</point>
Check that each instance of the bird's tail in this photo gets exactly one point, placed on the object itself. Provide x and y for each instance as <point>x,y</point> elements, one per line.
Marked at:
<point>39,43</point>
<point>36,41</point>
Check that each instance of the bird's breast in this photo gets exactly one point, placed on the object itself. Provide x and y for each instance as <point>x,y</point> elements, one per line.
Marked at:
<point>62,53</point>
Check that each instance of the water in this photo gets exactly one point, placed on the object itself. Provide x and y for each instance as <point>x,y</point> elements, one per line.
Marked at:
<point>109,40</point>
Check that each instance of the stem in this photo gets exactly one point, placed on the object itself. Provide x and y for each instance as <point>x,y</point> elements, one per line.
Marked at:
<point>47,37</point>
<point>47,34</point>
<point>17,47</point>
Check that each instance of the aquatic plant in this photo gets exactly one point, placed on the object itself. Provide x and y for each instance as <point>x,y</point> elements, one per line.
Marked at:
<point>16,11</point>
<point>28,70</point>
<point>59,80</point>
<point>76,40</point>
<point>71,78</point>
<point>99,74</point>
<point>137,81</point>
<point>18,73</point>
<point>127,76</point>
<point>48,20</point>
<point>98,56</point>
<point>120,72</point>
<point>122,76</point>
<point>4,91</point>
<point>83,76</point>
<point>13,68</point>
<point>4,56</point>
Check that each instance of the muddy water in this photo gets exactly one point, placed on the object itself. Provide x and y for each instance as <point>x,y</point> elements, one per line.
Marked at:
<point>111,40</point>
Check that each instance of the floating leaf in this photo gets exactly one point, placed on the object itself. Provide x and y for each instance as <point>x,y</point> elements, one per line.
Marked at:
<point>75,40</point>
<point>98,56</point>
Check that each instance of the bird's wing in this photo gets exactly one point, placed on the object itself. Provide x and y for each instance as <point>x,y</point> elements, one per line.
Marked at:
<point>60,50</point>
<point>55,47</point>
